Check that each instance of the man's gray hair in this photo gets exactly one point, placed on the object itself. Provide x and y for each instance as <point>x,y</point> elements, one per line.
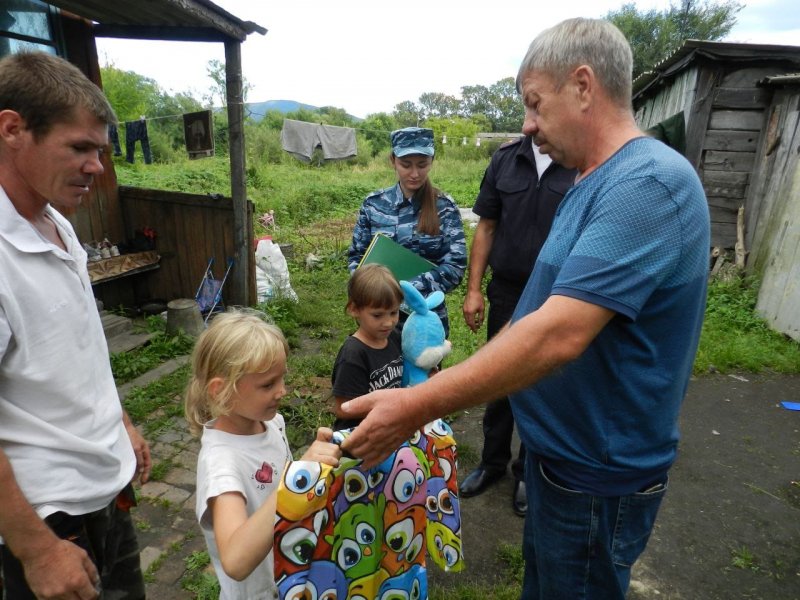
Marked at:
<point>575,42</point>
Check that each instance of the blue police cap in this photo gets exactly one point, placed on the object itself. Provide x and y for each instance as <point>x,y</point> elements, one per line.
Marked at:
<point>412,140</point>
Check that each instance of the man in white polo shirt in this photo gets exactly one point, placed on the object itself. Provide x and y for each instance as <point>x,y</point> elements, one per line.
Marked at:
<point>67,449</point>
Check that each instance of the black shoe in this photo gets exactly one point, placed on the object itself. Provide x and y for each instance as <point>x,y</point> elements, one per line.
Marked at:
<point>520,500</point>
<point>477,482</point>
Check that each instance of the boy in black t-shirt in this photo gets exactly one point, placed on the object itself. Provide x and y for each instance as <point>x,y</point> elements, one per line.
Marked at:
<point>371,358</point>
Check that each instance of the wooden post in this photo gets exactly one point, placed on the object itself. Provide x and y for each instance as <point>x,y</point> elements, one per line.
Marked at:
<point>243,228</point>
<point>739,251</point>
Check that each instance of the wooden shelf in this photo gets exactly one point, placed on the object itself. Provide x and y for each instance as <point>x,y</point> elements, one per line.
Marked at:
<point>125,265</point>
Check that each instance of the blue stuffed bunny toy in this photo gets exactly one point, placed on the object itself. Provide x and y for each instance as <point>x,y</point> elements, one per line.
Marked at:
<point>423,342</point>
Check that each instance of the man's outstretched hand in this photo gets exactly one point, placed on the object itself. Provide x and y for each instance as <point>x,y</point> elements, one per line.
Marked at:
<point>389,423</point>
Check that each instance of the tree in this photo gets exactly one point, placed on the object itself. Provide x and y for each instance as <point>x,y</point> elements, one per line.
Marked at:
<point>376,128</point>
<point>455,128</point>
<point>508,112</point>
<point>132,95</point>
<point>332,115</point>
<point>475,99</point>
<point>215,69</point>
<point>436,104</point>
<point>654,35</point>
<point>408,114</point>
<point>499,103</point>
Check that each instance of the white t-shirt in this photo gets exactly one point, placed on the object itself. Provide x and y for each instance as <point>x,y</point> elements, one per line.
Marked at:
<point>60,416</point>
<point>251,465</point>
<point>542,160</point>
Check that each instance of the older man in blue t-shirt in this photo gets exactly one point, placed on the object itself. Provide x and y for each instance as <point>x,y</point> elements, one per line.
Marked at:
<point>599,351</point>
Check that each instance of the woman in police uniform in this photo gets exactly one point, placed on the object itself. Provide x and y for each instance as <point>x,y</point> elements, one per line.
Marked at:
<point>416,215</point>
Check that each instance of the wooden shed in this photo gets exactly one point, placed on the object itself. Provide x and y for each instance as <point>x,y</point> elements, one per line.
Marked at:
<point>774,218</point>
<point>716,87</point>
<point>190,228</point>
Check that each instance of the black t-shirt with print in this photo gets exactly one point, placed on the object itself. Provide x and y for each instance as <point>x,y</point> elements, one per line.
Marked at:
<point>360,369</point>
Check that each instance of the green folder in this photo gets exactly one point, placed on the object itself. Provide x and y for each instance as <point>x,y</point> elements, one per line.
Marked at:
<point>402,262</point>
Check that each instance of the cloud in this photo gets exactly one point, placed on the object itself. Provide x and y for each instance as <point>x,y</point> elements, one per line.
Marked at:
<point>366,56</point>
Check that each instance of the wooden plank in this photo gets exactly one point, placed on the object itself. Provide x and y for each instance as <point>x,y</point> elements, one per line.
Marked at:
<point>160,33</point>
<point>209,201</point>
<point>732,141</point>
<point>698,116</point>
<point>729,161</point>
<point>722,215</point>
<point>737,120</point>
<point>723,235</point>
<point>787,318</point>
<point>773,172</point>
<point>776,273</point>
<point>731,204</point>
<point>757,201</point>
<point>723,179</point>
<point>740,252</point>
<point>750,76</point>
<point>672,99</point>
<point>747,98</point>
<point>725,191</point>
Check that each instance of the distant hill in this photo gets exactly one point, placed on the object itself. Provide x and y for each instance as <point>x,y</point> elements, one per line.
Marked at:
<point>259,109</point>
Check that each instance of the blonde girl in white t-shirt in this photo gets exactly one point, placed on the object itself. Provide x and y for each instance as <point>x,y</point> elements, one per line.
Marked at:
<point>232,399</point>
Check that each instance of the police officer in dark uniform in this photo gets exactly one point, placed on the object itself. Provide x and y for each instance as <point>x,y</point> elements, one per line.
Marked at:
<point>519,195</point>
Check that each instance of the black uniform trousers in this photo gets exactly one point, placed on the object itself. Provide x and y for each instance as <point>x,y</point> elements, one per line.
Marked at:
<point>498,421</point>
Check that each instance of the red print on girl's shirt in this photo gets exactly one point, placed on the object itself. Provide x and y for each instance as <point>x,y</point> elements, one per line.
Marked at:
<point>264,474</point>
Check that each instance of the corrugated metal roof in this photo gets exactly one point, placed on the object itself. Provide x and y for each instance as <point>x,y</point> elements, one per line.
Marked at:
<point>164,15</point>
<point>723,51</point>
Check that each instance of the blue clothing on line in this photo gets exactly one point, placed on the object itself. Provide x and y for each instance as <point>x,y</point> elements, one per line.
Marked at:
<point>137,131</point>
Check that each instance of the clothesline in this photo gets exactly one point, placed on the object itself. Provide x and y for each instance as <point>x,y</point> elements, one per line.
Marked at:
<point>463,141</point>
<point>198,133</point>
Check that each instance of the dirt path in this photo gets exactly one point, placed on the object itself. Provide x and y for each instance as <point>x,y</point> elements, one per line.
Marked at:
<point>730,524</point>
<point>729,527</point>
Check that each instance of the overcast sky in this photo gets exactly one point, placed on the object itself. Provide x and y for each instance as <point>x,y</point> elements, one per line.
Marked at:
<point>367,55</point>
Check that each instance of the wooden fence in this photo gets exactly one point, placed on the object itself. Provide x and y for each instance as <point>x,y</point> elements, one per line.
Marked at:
<point>189,230</point>
<point>774,219</point>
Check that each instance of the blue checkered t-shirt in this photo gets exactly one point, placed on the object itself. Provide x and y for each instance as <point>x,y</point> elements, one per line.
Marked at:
<point>633,237</point>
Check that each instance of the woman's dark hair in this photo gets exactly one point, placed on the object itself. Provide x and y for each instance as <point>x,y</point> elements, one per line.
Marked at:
<point>428,214</point>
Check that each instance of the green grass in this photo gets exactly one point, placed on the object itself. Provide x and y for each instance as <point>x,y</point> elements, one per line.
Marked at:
<point>743,558</point>
<point>154,406</point>
<point>511,557</point>
<point>129,365</point>
<point>199,577</point>
<point>735,338</point>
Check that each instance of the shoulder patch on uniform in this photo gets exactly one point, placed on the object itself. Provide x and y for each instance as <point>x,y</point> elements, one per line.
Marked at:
<point>512,142</point>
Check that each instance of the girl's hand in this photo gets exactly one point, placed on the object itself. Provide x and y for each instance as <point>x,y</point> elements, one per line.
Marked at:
<point>323,450</point>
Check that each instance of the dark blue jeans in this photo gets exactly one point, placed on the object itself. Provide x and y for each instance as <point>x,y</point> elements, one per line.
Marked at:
<point>137,130</point>
<point>577,546</point>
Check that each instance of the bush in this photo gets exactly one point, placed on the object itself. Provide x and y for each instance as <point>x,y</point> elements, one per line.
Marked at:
<point>264,146</point>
